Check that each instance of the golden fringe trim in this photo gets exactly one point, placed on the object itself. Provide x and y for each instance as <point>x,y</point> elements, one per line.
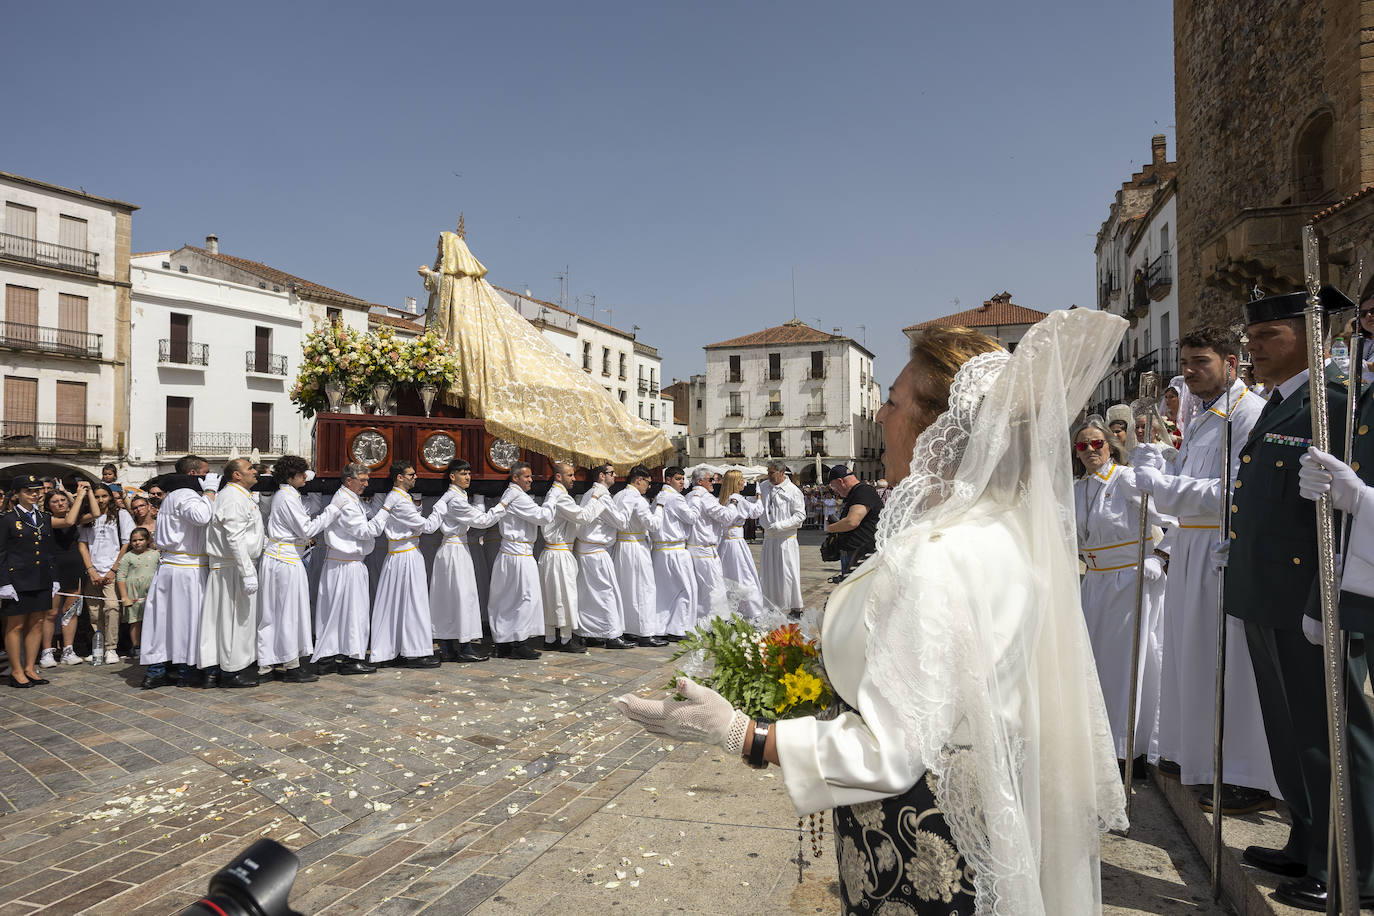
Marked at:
<point>582,459</point>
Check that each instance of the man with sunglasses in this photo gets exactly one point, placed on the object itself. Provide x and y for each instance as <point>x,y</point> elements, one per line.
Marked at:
<point>1190,490</point>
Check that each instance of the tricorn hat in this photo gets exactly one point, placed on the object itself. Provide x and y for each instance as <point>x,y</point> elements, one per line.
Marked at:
<point>1293,305</point>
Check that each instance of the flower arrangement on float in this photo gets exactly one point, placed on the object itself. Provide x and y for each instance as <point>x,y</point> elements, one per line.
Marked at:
<point>342,364</point>
<point>773,673</point>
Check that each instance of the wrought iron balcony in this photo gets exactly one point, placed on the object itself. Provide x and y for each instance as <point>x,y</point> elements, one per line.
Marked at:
<point>265,363</point>
<point>734,453</point>
<point>734,412</point>
<point>653,389</point>
<point>183,353</point>
<point>218,445</point>
<point>773,412</point>
<point>1160,276</point>
<point>16,336</point>
<point>735,376</point>
<point>48,254</point>
<point>28,436</point>
<point>643,386</point>
<point>815,452</point>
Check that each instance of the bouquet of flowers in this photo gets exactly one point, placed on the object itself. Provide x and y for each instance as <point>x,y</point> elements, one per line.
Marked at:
<point>773,673</point>
<point>332,352</point>
<point>431,361</point>
<point>390,359</point>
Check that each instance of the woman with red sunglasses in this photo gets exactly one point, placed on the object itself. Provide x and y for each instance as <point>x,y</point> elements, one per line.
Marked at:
<point>1107,511</point>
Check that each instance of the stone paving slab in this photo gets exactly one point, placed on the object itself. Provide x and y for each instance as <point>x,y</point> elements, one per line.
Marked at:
<point>508,787</point>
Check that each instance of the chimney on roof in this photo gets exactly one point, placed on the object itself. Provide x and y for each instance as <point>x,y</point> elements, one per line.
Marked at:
<point>1158,152</point>
<point>412,306</point>
<point>212,244</point>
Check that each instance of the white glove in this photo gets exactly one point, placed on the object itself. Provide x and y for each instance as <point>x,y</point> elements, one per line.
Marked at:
<point>1154,569</point>
<point>1147,455</point>
<point>250,585</point>
<point>1221,555</point>
<point>703,715</point>
<point>56,587</point>
<point>211,482</point>
<point>1312,629</point>
<point>1147,479</point>
<point>1322,473</point>
<point>7,593</point>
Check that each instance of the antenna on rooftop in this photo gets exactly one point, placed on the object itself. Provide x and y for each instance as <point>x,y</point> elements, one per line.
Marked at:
<point>562,279</point>
<point>794,293</point>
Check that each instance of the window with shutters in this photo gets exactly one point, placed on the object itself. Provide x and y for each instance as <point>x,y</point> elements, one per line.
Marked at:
<point>623,357</point>
<point>775,449</point>
<point>21,315</point>
<point>818,365</point>
<point>774,366</point>
<point>817,406</point>
<point>71,414</point>
<point>72,314</point>
<point>736,447</point>
<point>736,404</point>
<point>262,427</point>
<point>334,316</point>
<point>817,442</point>
<point>71,232</point>
<point>775,403</point>
<point>21,408</point>
<point>735,374</point>
<point>179,338</point>
<point>21,232</point>
<point>178,425</point>
<point>606,361</point>
<point>587,355</point>
<point>262,349</point>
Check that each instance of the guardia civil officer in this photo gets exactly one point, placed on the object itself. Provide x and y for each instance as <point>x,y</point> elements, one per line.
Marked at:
<point>1352,495</point>
<point>28,578</point>
<point>1271,584</point>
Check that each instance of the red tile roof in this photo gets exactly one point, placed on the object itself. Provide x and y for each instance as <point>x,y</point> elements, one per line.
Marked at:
<point>995,312</point>
<point>791,332</point>
<point>396,321</point>
<point>558,308</point>
<point>1338,205</point>
<point>279,277</point>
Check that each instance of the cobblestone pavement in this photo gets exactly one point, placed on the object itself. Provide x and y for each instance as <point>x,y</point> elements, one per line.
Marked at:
<point>507,787</point>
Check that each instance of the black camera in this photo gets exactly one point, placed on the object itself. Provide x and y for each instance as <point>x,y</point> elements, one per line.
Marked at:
<point>256,883</point>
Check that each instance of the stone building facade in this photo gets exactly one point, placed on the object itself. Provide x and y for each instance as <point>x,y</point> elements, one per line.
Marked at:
<point>1274,105</point>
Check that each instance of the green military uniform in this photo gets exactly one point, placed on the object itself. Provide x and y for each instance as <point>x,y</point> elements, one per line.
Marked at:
<point>1270,583</point>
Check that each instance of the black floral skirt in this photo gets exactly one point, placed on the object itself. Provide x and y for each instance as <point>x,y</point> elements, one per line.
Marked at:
<point>897,858</point>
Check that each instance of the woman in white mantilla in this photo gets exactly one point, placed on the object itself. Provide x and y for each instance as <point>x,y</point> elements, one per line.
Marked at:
<point>1107,510</point>
<point>973,766</point>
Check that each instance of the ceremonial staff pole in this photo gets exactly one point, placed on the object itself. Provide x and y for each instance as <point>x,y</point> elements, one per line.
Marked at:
<point>1219,710</point>
<point>1341,829</point>
<point>1148,395</point>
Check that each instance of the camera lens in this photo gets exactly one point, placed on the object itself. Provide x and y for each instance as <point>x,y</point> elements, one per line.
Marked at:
<point>257,883</point>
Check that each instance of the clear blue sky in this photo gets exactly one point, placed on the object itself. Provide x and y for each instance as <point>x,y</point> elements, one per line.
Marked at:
<point>681,159</point>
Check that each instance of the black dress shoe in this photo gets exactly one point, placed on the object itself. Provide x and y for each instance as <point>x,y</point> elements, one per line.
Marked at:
<point>209,678</point>
<point>245,678</point>
<point>355,666</point>
<point>673,638</point>
<point>152,682</point>
<point>593,642</point>
<point>1169,768</point>
<point>326,666</point>
<point>422,661</point>
<point>1237,800</point>
<point>615,642</point>
<point>474,648</point>
<point>522,651</point>
<point>1274,861</point>
<point>466,655</point>
<point>650,642</point>
<point>577,645</point>
<point>20,685</point>
<point>299,675</point>
<point>188,676</point>
<point>502,650</point>
<point>1309,894</point>
<point>448,650</point>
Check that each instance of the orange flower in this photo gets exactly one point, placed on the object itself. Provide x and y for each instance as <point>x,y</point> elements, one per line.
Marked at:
<point>787,635</point>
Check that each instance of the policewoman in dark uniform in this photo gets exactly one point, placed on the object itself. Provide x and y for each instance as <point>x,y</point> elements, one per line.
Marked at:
<point>27,579</point>
<point>1271,583</point>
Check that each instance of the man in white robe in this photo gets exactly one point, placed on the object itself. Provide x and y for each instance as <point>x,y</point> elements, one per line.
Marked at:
<point>737,562</point>
<point>284,624</point>
<point>1191,492</point>
<point>784,510</point>
<point>558,565</point>
<point>454,598</point>
<point>341,631</point>
<point>675,584</point>
<point>634,563</point>
<point>401,622</point>
<point>233,543</point>
<point>515,608</point>
<point>171,615</point>
<point>599,608</point>
<point>702,541</point>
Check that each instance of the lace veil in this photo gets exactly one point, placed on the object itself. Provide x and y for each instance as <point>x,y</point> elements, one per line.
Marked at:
<point>1002,703</point>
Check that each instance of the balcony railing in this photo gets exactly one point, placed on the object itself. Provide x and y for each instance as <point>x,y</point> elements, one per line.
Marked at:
<point>643,386</point>
<point>216,445</point>
<point>48,254</point>
<point>1160,275</point>
<point>653,388</point>
<point>774,375</point>
<point>18,336</point>
<point>734,412</point>
<point>734,453</point>
<point>773,412</point>
<point>814,413</point>
<point>818,372</point>
<point>815,452</point>
<point>26,436</point>
<point>265,363</point>
<point>183,353</point>
<point>735,376</point>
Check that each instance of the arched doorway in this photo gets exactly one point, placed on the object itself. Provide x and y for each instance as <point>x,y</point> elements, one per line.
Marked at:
<point>65,473</point>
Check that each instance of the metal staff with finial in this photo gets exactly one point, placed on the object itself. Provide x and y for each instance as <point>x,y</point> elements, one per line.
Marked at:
<point>1342,834</point>
<point>1219,710</point>
<point>1148,399</point>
